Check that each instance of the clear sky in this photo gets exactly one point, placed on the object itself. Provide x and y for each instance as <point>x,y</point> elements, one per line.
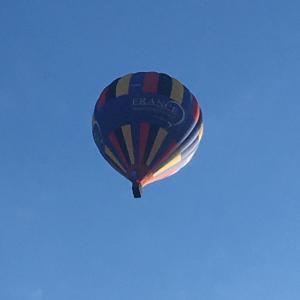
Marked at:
<point>226,227</point>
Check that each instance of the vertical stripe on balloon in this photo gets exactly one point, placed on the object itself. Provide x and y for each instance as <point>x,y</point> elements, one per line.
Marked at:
<point>195,109</point>
<point>177,91</point>
<point>101,100</point>
<point>111,93</point>
<point>126,130</point>
<point>109,153</point>
<point>150,82</point>
<point>113,139</point>
<point>122,87</point>
<point>144,132</point>
<point>161,135</point>
<point>200,133</point>
<point>136,84</point>
<point>150,141</point>
<point>164,84</point>
<point>200,114</point>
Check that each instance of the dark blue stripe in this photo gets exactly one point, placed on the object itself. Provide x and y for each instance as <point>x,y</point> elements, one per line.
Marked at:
<point>136,84</point>
<point>164,84</point>
<point>111,93</point>
<point>151,138</point>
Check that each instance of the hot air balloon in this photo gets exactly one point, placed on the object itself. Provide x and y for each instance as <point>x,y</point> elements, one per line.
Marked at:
<point>148,126</point>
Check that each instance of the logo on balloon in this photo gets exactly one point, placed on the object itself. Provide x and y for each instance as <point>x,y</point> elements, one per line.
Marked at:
<point>160,107</point>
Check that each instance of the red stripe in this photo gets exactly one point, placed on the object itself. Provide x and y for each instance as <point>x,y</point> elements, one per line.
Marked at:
<point>196,110</point>
<point>151,179</point>
<point>113,139</point>
<point>165,174</point>
<point>151,82</point>
<point>101,100</point>
<point>144,131</point>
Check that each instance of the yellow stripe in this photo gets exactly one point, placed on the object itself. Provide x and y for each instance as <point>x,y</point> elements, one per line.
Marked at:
<point>177,91</point>
<point>126,129</point>
<point>123,85</point>
<point>113,158</point>
<point>162,133</point>
<point>200,133</point>
<point>169,165</point>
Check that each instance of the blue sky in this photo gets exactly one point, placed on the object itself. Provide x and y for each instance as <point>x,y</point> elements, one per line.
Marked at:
<point>225,227</point>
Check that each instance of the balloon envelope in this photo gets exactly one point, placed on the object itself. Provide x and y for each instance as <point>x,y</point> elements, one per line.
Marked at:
<point>147,125</point>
